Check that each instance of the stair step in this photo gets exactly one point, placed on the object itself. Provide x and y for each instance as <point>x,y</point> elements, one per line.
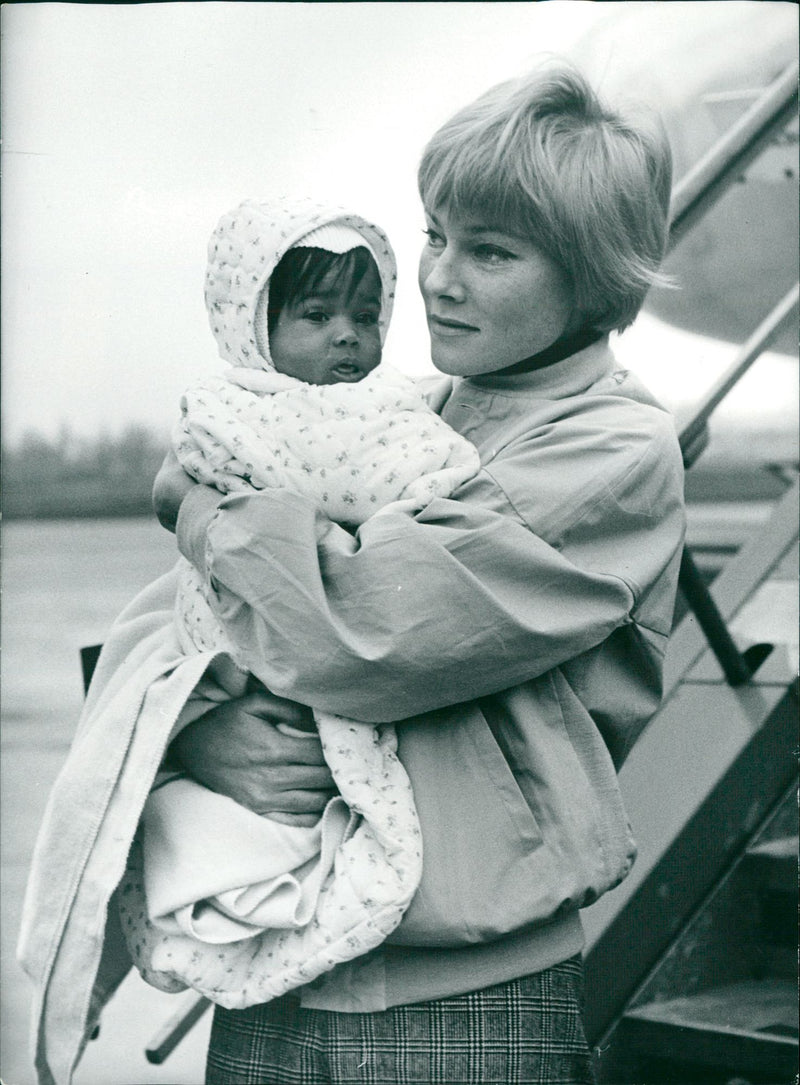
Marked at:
<point>774,864</point>
<point>746,1027</point>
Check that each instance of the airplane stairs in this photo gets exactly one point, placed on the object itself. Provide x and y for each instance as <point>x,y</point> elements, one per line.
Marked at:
<point>691,964</point>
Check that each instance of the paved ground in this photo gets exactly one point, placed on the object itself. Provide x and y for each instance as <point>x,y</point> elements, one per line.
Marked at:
<point>62,584</point>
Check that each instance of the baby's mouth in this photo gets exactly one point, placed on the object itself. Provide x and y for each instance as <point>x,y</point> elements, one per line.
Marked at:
<point>347,371</point>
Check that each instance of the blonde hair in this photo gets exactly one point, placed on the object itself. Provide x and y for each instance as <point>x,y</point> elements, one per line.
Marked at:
<point>543,157</point>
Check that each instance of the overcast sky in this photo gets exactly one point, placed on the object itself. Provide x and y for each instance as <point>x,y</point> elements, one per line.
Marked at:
<point>129,129</point>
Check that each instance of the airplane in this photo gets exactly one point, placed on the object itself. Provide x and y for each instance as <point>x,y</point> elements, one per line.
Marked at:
<point>695,71</point>
<point>702,73</point>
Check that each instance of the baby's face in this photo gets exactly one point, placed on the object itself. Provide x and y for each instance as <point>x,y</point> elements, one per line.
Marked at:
<point>331,336</point>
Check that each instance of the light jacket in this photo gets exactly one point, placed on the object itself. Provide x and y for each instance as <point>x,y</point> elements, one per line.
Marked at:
<point>515,636</point>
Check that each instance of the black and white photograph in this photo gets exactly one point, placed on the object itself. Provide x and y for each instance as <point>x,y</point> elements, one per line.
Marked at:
<point>400,632</point>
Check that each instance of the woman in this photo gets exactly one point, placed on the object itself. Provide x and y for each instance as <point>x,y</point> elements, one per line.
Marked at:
<point>514,636</point>
<point>513,633</point>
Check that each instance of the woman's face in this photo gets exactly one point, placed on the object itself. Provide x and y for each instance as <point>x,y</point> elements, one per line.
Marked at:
<point>491,298</point>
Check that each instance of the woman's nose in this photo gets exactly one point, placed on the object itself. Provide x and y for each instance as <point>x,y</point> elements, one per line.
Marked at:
<point>438,276</point>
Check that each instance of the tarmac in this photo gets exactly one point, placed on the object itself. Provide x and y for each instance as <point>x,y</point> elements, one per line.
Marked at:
<point>63,583</point>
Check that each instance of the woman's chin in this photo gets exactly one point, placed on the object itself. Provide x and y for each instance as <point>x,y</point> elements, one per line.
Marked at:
<point>444,367</point>
<point>452,362</point>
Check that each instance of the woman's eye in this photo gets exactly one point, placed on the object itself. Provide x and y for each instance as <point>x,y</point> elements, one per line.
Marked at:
<point>493,254</point>
<point>435,240</point>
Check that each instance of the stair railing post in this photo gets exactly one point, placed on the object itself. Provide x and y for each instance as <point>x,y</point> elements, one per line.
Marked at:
<point>702,605</point>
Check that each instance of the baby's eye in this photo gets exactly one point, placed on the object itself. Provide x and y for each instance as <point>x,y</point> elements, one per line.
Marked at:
<point>368,319</point>
<point>316,316</point>
<point>493,254</point>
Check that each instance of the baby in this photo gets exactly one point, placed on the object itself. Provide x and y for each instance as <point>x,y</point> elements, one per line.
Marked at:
<point>239,906</point>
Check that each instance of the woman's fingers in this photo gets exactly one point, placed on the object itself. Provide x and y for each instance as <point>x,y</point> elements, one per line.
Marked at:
<point>258,701</point>
<point>302,777</point>
<point>300,804</point>
<point>170,487</point>
<point>237,749</point>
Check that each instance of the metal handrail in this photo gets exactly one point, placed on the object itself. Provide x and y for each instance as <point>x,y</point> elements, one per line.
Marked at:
<point>702,187</point>
<point>724,163</point>
<point>758,342</point>
<point>693,196</point>
<point>738,667</point>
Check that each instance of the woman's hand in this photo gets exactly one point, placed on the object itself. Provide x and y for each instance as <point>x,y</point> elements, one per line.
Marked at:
<point>172,484</point>
<point>236,749</point>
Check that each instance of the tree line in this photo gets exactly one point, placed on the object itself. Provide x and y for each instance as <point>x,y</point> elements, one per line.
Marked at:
<point>70,476</point>
<point>112,475</point>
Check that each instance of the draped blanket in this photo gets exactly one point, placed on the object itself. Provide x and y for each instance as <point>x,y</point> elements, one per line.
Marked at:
<point>71,944</point>
<point>238,906</point>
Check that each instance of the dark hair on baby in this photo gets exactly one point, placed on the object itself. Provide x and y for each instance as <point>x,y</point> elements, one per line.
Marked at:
<point>300,271</point>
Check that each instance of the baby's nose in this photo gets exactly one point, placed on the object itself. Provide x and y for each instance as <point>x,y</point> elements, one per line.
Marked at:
<point>345,333</point>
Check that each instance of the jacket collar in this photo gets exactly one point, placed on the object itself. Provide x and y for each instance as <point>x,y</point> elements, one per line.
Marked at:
<point>562,348</point>
<point>568,376</point>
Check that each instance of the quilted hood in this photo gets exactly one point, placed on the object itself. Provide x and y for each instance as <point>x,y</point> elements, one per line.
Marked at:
<point>246,247</point>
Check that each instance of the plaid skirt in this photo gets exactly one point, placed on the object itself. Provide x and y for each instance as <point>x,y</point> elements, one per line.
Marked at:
<point>526,1031</point>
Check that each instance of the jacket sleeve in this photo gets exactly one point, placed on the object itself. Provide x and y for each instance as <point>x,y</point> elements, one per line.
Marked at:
<point>458,601</point>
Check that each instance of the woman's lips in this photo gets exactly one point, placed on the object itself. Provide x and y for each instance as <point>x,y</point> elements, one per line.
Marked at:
<point>441,325</point>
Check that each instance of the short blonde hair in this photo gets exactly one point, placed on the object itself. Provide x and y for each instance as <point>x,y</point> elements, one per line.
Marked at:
<point>541,156</point>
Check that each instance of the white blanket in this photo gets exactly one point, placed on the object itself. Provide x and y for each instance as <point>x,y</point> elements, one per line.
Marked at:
<point>235,905</point>
<point>361,880</point>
